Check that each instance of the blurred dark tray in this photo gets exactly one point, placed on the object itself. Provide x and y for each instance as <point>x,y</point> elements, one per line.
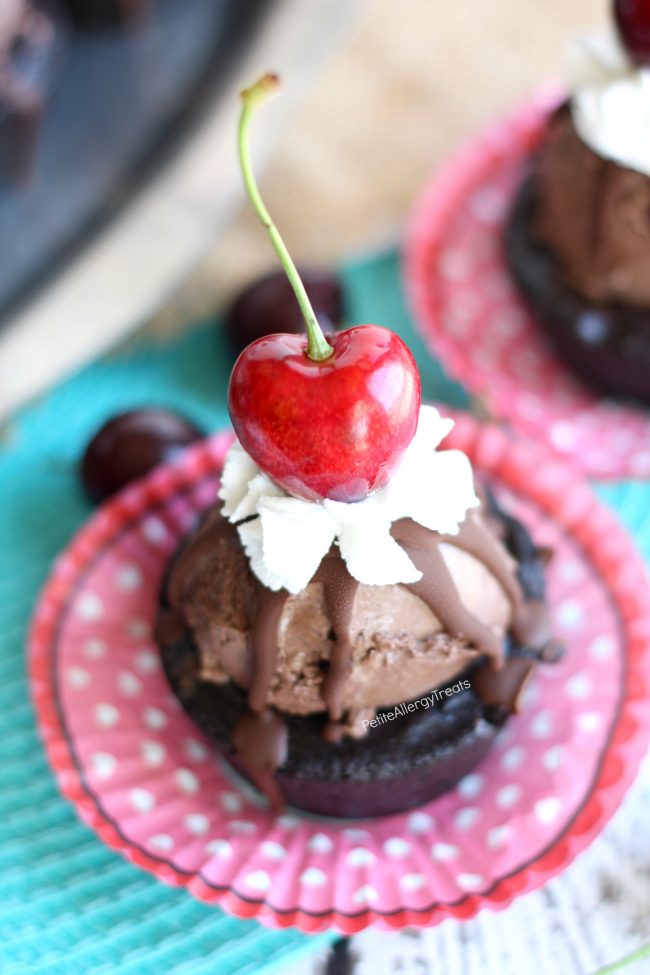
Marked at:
<point>121,100</point>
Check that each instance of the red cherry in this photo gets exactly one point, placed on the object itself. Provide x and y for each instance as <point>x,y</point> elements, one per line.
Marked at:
<point>269,305</point>
<point>633,22</point>
<point>130,445</point>
<point>330,429</point>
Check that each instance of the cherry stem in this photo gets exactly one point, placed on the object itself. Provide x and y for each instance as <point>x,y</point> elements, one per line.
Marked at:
<point>318,348</point>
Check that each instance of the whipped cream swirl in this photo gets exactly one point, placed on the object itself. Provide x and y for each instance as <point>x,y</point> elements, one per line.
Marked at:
<point>611,100</point>
<point>286,538</point>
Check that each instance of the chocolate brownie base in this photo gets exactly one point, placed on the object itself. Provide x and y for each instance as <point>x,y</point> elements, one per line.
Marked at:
<point>398,764</point>
<point>607,345</point>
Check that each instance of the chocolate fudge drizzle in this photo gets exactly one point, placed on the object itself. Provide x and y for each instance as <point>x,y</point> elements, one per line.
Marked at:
<point>260,736</point>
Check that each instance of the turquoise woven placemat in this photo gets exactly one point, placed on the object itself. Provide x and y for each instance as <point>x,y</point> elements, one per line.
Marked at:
<point>68,905</point>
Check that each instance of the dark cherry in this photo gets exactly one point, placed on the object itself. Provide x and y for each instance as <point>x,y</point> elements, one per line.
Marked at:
<point>131,444</point>
<point>269,305</point>
<point>633,22</point>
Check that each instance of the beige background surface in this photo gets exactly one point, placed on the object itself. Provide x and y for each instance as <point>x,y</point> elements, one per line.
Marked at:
<point>412,81</point>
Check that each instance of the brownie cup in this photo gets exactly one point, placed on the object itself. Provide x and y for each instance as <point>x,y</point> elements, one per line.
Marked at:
<point>374,760</point>
<point>578,244</point>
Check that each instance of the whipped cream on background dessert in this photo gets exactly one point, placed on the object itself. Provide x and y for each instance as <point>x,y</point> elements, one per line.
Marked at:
<point>610,99</point>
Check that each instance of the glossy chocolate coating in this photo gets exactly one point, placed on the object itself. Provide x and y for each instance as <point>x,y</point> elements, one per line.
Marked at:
<point>130,445</point>
<point>269,305</point>
<point>392,766</point>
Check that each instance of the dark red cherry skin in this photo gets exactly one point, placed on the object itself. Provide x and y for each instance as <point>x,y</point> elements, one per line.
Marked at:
<point>130,445</point>
<point>269,305</point>
<point>334,429</point>
<point>633,22</point>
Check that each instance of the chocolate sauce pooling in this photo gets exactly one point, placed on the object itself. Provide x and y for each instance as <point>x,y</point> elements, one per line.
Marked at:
<point>260,738</point>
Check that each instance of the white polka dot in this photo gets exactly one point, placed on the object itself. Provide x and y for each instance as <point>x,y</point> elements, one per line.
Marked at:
<point>243,826</point>
<point>197,752</point>
<point>465,818</point>
<point>397,848</point>
<point>162,842</point>
<point>531,407</point>
<point>552,759</point>
<point>106,715</point>
<point>509,323</point>
<point>154,718</point>
<point>470,881</point>
<point>94,649</point>
<point>231,801</point>
<point>313,877</point>
<point>454,265</point>
<point>412,881</point>
<point>470,786</point>
<point>365,895</point>
<point>420,822</point>
<point>128,683</point>
<point>455,324</point>
<point>129,577</point>
<point>640,463</point>
<point>197,823</point>
<point>78,677</point>
<point>153,753</point>
<point>273,851</point>
<point>508,795</point>
<point>589,721</point>
<point>146,661</point>
<point>530,695</point>
<point>258,880</point>
<point>142,800</point>
<point>360,857</point>
<point>287,821</point>
<point>547,809</point>
<point>563,435</point>
<point>219,848</point>
<point>443,852</point>
<point>356,835</point>
<point>103,764</point>
<point>154,531</point>
<point>138,628</point>
<point>486,359</point>
<point>497,837</point>
<point>513,758</point>
<point>570,614</point>
<point>320,843</point>
<point>570,571</point>
<point>90,607</point>
<point>578,686</point>
<point>603,646</point>
<point>187,781</point>
<point>542,725</point>
<point>488,204</point>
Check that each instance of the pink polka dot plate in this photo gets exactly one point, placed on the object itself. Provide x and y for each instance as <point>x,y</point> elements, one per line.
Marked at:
<point>471,314</point>
<point>140,773</point>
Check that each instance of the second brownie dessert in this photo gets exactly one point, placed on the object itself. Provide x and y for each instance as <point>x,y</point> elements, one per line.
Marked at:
<point>578,240</point>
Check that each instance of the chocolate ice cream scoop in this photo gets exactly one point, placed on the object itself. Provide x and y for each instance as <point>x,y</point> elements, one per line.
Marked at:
<point>299,692</point>
<point>594,215</point>
<point>342,646</point>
